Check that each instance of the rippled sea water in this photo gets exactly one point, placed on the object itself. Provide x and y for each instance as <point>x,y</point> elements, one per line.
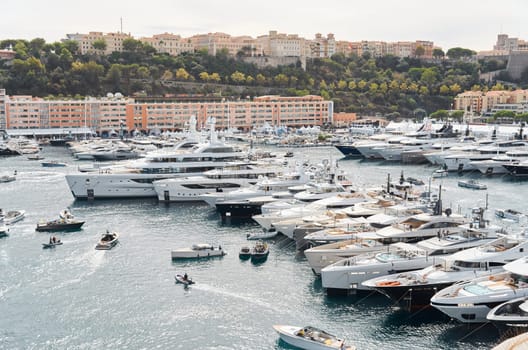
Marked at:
<point>75,297</point>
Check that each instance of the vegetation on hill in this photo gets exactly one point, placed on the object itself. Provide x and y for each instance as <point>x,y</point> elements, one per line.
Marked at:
<point>366,85</point>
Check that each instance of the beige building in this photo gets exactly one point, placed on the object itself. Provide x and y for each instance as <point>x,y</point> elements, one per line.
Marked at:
<point>171,44</point>
<point>280,44</point>
<point>469,101</point>
<point>507,44</point>
<point>214,42</point>
<point>479,102</point>
<point>114,41</point>
<point>115,112</point>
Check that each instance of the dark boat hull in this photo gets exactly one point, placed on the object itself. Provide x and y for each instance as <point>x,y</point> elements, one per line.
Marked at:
<point>349,151</point>
<point>412,297</point>
<point>238,210</point>
<point>516,170</point>
<point>60,227</point>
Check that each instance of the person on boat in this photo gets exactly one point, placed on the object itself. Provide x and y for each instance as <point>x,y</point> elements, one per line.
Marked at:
<point>53,239</point>
<point>185,277</point>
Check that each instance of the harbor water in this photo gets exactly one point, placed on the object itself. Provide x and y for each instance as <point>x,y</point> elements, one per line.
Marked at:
<point>76,297</point>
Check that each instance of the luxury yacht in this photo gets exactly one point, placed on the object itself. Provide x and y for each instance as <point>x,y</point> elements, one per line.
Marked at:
<point>134,179</point>
<point>347,275</point>
<point>228,179</point>
<point>471,301</point>
<point>412,229</point>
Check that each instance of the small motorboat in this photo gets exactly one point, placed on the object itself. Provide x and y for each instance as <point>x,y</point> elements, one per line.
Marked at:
<point>509,214</point>
<point>35,156</point>
<point>13,216</point>
<point>310,338</point>
<point>202,250</point>
<point>245,253</point>
<point>440,173</point>
<point>53,163</point>
<point>262,235</point>
<point>7,178</point>
<point>51,245</point>
<point>107,241</point>
<point>473,184</point>
<point>65,222</point>
<point>259,252</point>
<point>183,279</point>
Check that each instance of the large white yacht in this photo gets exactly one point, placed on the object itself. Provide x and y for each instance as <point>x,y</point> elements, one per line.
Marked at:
<point>134,178</point>
<point>471,301</point>
<point>409,230</point>
<point>228,179</point>
<point>347,275</point>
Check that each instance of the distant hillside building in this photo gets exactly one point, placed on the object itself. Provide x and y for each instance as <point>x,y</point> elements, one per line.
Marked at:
<point>480,103</point>
<point>171,44</point>
<point>114,41</point>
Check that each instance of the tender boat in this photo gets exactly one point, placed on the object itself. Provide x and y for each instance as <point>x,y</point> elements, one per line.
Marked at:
<point>261,235</point>
<point>66,222</point>
<point>35,156</point>
<point>519,342</point>
<point>183,279</point>
<point>245,253</point>
<point>107,241</point>
<point>7,178</point>
<point>51,245</point>
<point>310,338</point>
<point>473,184</point>
<point>510,214</point>
<point>13,216</point>
<point>260,251</point>
<point>202,250</point>
<point>53,163</point>
<point>440,173</point>
<point>513,313</point>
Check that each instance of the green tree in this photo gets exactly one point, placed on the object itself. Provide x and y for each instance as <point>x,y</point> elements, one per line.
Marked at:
<point>440,114</point>
<point>419,51</point>
<point>238,77</point>
<point>99,44</point>
<point>438,53</point>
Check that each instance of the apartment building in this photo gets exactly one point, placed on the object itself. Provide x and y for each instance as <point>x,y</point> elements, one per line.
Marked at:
<point>214,42</point>
<point>507,44</point>
<point>168,43</point>
<point>469,101</point>
<point>114,41</point>
<point>485,103</point>
<point>116,112</point>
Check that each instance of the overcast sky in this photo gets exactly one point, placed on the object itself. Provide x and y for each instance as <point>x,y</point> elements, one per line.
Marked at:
<point>470,24</point>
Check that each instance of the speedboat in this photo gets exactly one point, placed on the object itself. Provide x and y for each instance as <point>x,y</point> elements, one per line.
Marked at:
<point>519,342</point>
<point>259,252</point>
<point>183,279</point>
<point>202,250</point>
<point>310,338</point>
<point>61,224</point>
<point>7,178</point>
<point>415,289</point>
<point>513,313</point>
<point>473,184</point>
<point>245,253</point>
<point>51,244</point>
<point>509,214</point>
<point>53,164</point>
<point>107,241</point>
<point>13,216</point>
<point>261,235</point>
<point>471,301</point>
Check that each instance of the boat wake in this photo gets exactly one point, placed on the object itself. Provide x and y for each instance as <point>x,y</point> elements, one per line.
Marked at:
<point>40,176</point>
<point>250,299</point>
